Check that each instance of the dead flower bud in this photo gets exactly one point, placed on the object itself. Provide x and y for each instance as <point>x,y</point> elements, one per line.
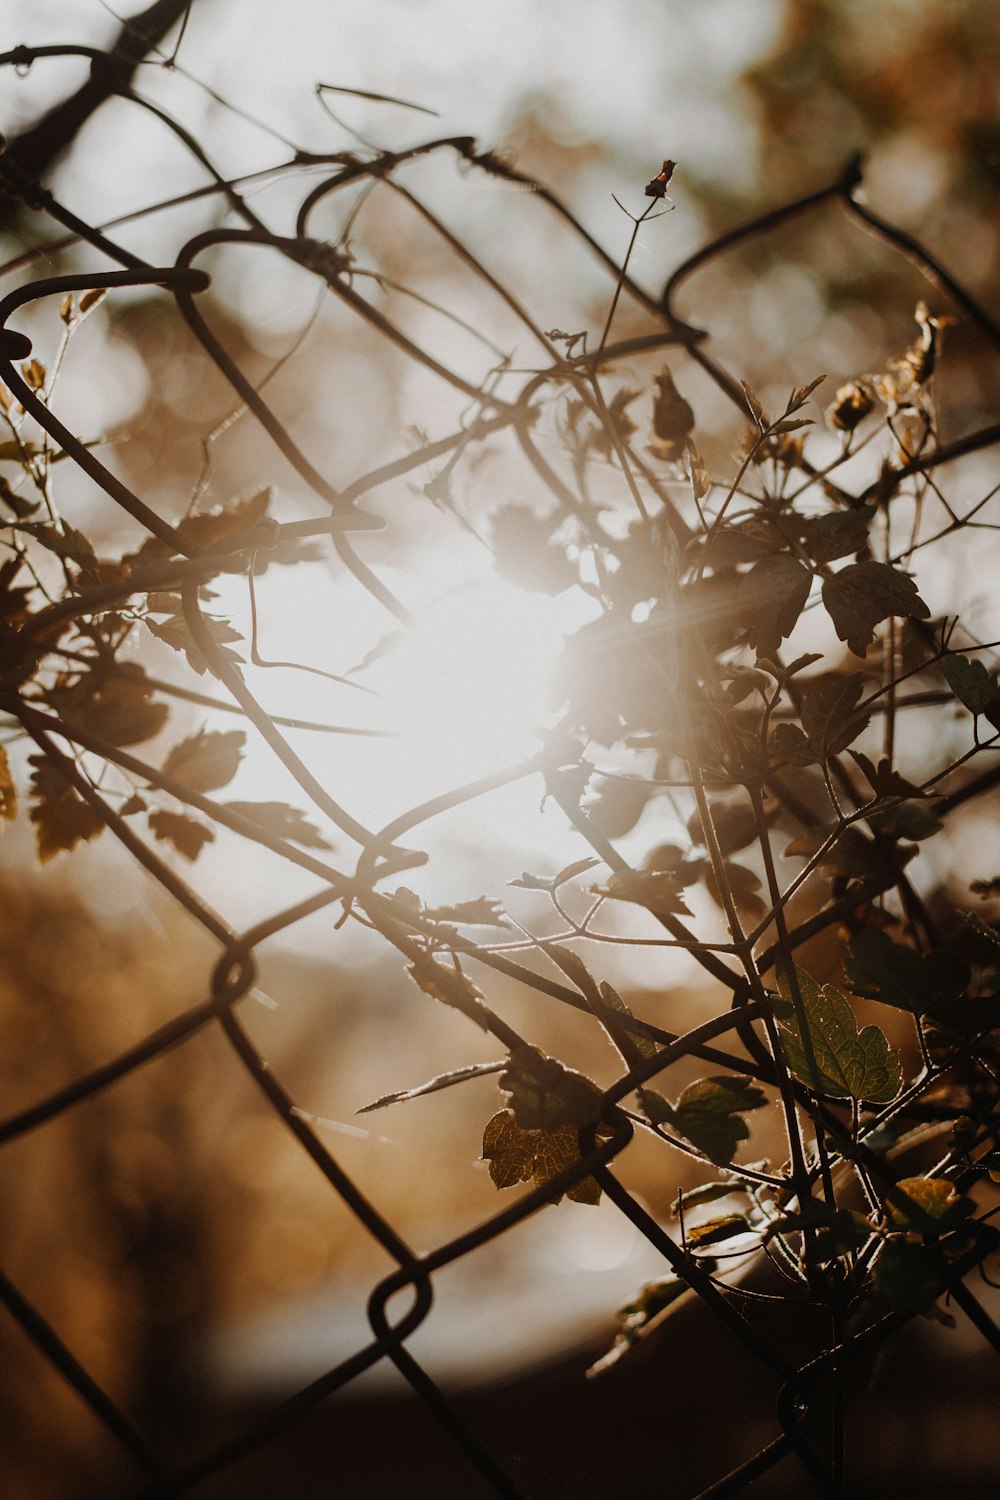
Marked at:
<point>673,418</point>
<point>850,406</point>
<point>658,187</point>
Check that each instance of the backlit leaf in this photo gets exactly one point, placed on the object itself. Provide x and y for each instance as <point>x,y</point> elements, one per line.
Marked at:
<point>651,1305</point>
<point>824,1048</point>
<point>830,716</point>
<point>450,986</point>
<point>828,537</point>
<point>709,1114</point>
<point>715,1231</point>
<point>187,835</point>
<point>482,911</point>
<point>176,633</point>
<point>525,554</point>
<point>517,1155</point>
<point>862,595</point>
<point>206,760</point>
<point>930,1205</point>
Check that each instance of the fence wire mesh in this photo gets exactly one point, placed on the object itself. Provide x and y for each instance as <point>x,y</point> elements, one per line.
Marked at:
<point>697,582</point>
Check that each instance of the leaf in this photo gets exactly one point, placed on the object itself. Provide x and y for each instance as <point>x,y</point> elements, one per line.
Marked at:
<point>187,835</point>
<point>830,716</point>
<point>971,683</point>
<point>742,885</point>
<point>639,1047</point>
<point>206,760</point>
<point>911,1276</point>
<point>754,406</point>
<point>483,911</point>
<point>442,1081</point>
<point>838,534</point>
<point>824,1048</point>
<point>657,890</point>
<point>771,597</point>
<point>709,1114</point>
<point>283,821</point>
<point>880,969</point>
<point>714,1231</point>
<point>8,791</point>
<point>862,595</point>
<point>529,882</point>
<point>708,1192</point>
<point>451,987</point>
<point>61,817</point>
<point>175,633</point>
<point>638,1316</point>
<point>544,1094</point>
<point>673,418</point>
<point>909,820</point>
<point>930,1205</point>
<point>517,1155</point>
<point>735,825</point>
<point>524,553</point>
<point>617,805</point>
<point>883,780</point>
<point>119,708</point>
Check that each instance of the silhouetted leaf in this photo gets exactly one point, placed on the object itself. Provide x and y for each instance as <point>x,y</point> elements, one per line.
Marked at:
<point>911,1276</point>
<point>206,760</point>
<point>187,835</point>
<point>118,708</point>
<point>450,986</point>
<point>771,597</point>
<point>880,969</point>
<point>482,911</point>
<point>283,821</point>
<point>618,804</point>
<point>824,1048</point>
<point>828,537</point>
<point>517,1155</point>
<point>830,716</point>
<point>883,780</point>
<point>657,890</point>
<point>971,683</point>
<point>545,1094</point>
<point>61,817</point>
<point>650,1306</point>
<point>862,595</point>
<point>176,634</point>
<point>907,820</point>
<point>434,1085</point>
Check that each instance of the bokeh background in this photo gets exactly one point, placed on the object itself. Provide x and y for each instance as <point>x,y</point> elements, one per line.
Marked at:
<point>169,1229</point>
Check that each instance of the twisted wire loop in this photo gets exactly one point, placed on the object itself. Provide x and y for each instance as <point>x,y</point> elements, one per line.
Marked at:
<point>183,565</point>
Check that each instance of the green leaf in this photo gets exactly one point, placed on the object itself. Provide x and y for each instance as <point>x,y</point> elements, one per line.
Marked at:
<point>824,1048</point>
<point>434,1085</point>
<point>771,597</point>
<point>187,835</point>
<point>971,683</point>
<point>880,969</point>
<point>709,1114</point>
<point>930,1205</point>
<point>862,595</point>
<point>206,760</point>
<point>283,821</point>
<point>517,1155</point>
